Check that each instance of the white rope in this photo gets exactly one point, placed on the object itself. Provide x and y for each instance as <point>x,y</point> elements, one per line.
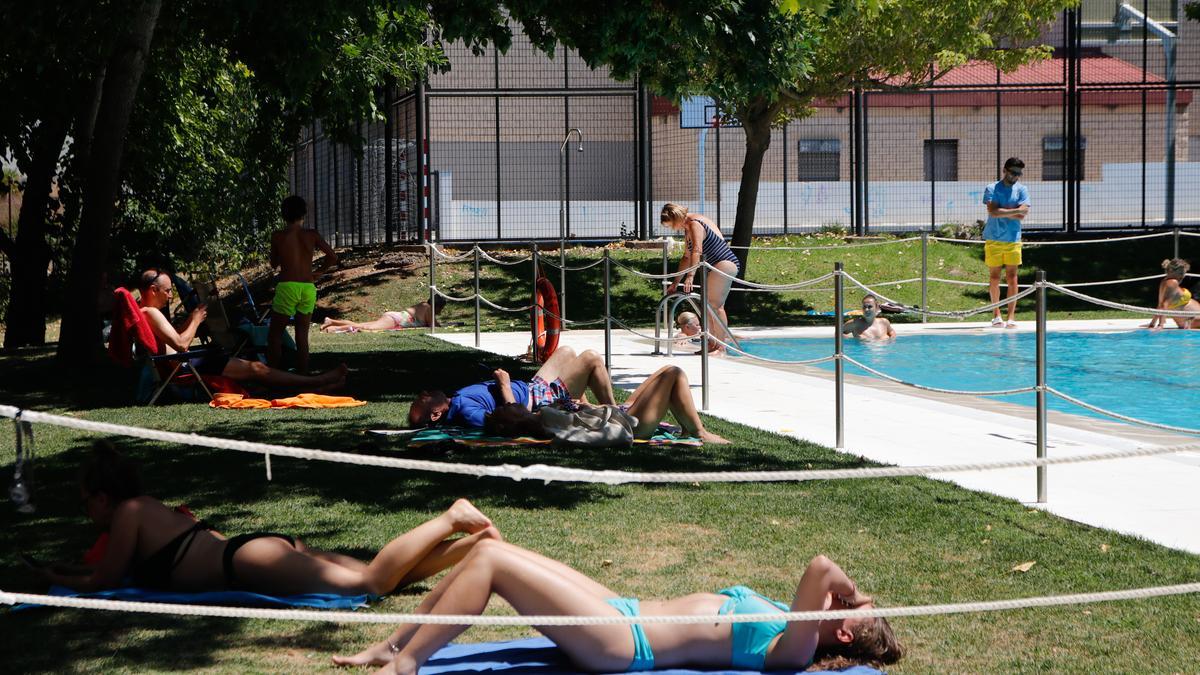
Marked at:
<point>756,357</point>
<point>773,287</point>
<point>1189,234</point>
<point>952,314</point>
<point>828,248</point>
<point>1107,240</point>
<point>502,308</point>
<point>445,257</point>
<point>451,298</point>
<point>564,474</point>
<point>560,620</point>
<point>960,282</point>
<point>1114,281</point>
<point>647,275</point>
<point>996,392</point>
<point>1124,418</point>
<point>567,268</point>
<point>678,336</point>
<point>516,261</point>
<point>1117,305</point>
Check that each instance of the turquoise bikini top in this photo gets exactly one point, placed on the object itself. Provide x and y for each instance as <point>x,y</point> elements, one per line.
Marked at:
<point>751,640</point>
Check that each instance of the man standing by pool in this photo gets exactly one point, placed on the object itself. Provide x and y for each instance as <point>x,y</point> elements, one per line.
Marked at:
<point>1007,203</point>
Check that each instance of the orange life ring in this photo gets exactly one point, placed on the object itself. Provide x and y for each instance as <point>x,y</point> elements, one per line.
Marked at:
<point>544,318</point>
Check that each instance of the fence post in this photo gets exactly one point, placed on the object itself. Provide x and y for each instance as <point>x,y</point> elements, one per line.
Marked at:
<point>703,272</point>
<point>1041,383</point>
<point>432,286</point>
<point>924,276</point>
<point>839,417</point>
<point>535,309</point>
<point>664,307</point>
<point>1176,247</point>
<point>607,312</point>
<point>477,296</point>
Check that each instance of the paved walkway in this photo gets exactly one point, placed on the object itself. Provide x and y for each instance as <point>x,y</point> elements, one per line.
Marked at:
<point>1151,497</point>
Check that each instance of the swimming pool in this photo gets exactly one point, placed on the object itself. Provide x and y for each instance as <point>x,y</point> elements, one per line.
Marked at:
<point>1151,375</point>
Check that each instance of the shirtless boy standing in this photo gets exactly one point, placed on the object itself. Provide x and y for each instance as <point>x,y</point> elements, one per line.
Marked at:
<point>295,294</point>
<point>870,326</point>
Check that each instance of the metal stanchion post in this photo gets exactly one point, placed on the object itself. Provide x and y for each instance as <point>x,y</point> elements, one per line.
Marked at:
<point>536,308</point>
<point>703,272</point>
<point>562,281</point>
<point>924,275</point>
<point>1176,247</point>
<point>1041,383</point>
<point>432,286</point>
<point>477,296</point>
<point>839,376</point>
<point>607,312</point>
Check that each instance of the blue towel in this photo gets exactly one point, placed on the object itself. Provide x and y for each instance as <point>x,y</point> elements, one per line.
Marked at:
<point>230,598</point>
<point>539,656</point>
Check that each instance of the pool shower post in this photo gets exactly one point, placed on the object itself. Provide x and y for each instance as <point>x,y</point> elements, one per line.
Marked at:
<point>664,306</point>
<point>432,285</point>
<point>535,307</point>
<point>838,366</point>
<point>703,272</point>
<point>607,313</point>
<point>1040,283</point>
<point>562,220</point>
<point>1176,247</point>
<point>924,275</point>
<point>476,296</point>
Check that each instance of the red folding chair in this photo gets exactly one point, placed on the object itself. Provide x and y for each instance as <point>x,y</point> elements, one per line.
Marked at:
<point>132,342</point>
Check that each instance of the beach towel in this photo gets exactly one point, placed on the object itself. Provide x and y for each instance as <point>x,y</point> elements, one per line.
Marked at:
<point>539,656</point>
<point>299,401</point>
<point>224,598</point>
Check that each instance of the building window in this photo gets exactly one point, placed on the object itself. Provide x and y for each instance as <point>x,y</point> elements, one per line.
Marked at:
<point>819,160</point>
<point>1054,155</point>
<point>941,160</point>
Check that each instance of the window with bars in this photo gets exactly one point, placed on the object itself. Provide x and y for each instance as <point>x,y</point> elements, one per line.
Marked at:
<point>941,159</point>
<point>819,160</point>
<point>1054,157</point>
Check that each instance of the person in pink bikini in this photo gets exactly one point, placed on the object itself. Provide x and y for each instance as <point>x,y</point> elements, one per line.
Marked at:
<point>419,315</point>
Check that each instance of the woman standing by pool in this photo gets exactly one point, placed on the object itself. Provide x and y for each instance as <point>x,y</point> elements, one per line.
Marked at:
<point>702,237</point>
<point>1173,296</point>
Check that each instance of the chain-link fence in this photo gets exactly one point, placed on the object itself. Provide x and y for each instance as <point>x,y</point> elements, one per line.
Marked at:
<point>1103,126</point>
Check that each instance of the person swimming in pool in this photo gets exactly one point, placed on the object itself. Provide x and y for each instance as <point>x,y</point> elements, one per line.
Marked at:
<point>1173,296</point>
<point>870,326</point>
<point>536,585</point>
<point>167,549</point>
<point>420,315</point>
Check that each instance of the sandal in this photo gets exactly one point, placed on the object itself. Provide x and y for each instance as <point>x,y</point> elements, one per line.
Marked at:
<point>997,322</point>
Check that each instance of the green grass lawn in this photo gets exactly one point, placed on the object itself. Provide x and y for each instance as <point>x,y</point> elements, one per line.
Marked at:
<point>907,541</point>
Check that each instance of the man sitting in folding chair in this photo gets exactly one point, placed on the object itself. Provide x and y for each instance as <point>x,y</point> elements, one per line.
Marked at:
<point>156,290</point>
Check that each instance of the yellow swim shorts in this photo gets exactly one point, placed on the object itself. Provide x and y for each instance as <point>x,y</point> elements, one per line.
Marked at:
<point>294,297</point>
<point>1001,253</point>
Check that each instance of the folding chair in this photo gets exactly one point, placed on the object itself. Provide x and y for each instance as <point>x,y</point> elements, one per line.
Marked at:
<point>133,342</point>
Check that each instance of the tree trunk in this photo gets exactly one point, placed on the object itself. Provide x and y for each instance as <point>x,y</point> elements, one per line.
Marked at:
<point>29,254</point>
<point>80,331</point>
<point>757,125</point>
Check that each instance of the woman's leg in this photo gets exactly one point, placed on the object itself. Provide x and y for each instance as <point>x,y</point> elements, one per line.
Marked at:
<point>382,323</point>
<point>531,588</point>
<point>670,390</point>
<point>241,369</point>
<point>718,291</point>
<point>271,565</point>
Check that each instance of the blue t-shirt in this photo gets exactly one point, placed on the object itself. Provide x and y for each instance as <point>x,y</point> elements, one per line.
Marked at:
<point>469,405</point>
<point>1005,197</point>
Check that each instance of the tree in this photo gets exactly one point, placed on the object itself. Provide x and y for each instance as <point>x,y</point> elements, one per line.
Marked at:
<point>766,62</point>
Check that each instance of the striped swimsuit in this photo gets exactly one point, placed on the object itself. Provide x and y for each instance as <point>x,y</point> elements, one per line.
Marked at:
<point>715,247</point>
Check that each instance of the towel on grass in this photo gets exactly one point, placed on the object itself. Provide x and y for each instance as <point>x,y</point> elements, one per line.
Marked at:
<point>477,438</point>
<point>539,656</point>
<point>226,598</point>
<point>298,401</point>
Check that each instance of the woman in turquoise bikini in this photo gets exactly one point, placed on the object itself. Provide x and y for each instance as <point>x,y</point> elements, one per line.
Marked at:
<point>536,585</point>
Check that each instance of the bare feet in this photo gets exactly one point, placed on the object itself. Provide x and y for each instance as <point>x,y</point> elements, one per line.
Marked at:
<point>710,437</point>
<point>466,518</point>
<point>377,654</point>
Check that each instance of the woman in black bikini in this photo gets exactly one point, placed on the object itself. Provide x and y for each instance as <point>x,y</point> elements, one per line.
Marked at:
<point>158,547</point>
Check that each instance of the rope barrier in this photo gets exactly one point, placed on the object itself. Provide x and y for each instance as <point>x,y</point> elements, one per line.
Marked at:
<point>827,248</point>
<point>517,261</point>
<point>996,392</point>
<point>678,336</point>
<point>953,314</point>
<point>455,258</point>
<point>567,268</point>
<point>451,298</point>
<point>1123,418</point>
<point>502,308</point>
<point>1118,305</point>
<point>560,620</point>
<point>1106,240</point>
<point>756,357</point>
<point>565,474</point>
<point>647,275</point>
<point>770,287</point>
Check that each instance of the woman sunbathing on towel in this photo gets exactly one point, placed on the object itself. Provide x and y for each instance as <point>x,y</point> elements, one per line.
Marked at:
<point>158,547</point>
<point>667,390</point>
<point>419,315</point>
<point>536,585</point>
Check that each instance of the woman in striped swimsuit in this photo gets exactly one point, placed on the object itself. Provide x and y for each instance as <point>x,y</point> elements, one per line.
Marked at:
<point>701,236</point>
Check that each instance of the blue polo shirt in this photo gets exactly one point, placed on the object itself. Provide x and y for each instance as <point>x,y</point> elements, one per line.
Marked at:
<point>469,405</point>
<point>1005,197</point>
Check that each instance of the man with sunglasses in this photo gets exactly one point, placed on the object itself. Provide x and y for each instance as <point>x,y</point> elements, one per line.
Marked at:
<point>1007,203</point>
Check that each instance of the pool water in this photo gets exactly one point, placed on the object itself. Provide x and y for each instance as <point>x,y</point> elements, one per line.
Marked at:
<point>1150,375</point>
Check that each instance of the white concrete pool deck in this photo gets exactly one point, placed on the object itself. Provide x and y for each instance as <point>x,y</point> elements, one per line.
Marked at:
<point>1151,497</point>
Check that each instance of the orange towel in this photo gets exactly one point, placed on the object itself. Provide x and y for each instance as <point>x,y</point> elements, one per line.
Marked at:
<point>299,401</point>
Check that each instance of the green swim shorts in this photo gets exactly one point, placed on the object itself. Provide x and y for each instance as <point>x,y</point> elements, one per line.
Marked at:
<point>294,297</point>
